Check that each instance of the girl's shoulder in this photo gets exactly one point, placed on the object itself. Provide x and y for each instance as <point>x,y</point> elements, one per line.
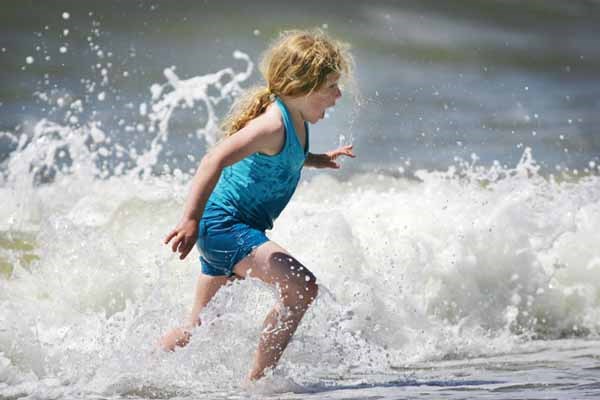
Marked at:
<point>275,117</point>
<point>266,131</point>
<point>269,122</point>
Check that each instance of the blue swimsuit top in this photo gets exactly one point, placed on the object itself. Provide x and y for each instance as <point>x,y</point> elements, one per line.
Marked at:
<point>255,190</point>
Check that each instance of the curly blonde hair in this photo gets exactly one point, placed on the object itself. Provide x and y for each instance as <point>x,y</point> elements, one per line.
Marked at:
<point>296,64</point>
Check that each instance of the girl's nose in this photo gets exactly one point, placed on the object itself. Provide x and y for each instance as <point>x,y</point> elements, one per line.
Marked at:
<point>338,93</point>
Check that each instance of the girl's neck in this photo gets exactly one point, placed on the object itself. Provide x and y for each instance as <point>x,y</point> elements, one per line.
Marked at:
<point>293,105</point>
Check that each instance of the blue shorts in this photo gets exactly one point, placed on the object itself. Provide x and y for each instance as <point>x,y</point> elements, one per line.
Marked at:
<point>223,241</point>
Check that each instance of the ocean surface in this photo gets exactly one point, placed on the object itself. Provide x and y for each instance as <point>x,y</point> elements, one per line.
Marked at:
<point>457,254</point>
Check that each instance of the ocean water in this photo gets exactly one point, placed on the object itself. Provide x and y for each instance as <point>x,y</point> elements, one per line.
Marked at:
<point>457,254</point>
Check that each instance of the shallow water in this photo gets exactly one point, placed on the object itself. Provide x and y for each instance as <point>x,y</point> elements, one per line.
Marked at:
<point>457,255</point>
<point>421,281</point>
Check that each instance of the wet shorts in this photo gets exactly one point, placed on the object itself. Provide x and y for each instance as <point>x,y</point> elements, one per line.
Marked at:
<point>223,241</point>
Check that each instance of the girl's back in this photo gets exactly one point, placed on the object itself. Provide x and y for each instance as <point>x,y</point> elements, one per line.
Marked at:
<point>257,188</point>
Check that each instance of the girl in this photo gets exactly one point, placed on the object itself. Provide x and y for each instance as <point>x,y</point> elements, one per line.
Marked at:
<point>244,183</point>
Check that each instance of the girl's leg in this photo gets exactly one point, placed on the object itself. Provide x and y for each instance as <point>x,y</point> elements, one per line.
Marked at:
<point>206,287</point>
<point>297,288</point>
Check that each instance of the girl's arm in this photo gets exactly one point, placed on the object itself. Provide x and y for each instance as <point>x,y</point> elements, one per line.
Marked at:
<point>328,160</point>
<point>263,134</point>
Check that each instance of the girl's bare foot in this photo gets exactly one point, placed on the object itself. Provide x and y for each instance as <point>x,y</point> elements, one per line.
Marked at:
<point>176,337</point>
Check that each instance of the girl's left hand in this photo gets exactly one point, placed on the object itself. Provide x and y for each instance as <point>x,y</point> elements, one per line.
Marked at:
<point>328,160</point>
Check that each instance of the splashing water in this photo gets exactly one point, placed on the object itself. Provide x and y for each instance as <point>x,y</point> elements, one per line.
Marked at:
<point>190,92</point>
<point>196,89</point>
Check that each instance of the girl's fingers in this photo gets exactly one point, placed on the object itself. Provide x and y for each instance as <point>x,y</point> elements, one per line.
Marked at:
<point>181,243</point>
<point>347,154</point>
<point>348,151</point>
<point>345,151</point>
<point>177,242</point>
<point>185,250</point>
<point>170,236</point>
<point>187,244</point>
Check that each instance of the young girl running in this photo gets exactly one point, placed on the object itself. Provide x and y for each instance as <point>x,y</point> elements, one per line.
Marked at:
<point>245,182</point>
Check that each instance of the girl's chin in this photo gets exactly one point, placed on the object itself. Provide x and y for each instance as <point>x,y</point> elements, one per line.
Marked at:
<point>316,118</point>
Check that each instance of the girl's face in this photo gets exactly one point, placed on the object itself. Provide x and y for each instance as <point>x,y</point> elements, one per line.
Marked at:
<point>315,104</point>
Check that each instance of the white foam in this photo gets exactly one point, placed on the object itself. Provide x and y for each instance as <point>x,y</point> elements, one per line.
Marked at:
<point>409,271</point>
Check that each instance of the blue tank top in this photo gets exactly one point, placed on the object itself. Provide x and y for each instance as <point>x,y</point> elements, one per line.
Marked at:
<point>256,189</point>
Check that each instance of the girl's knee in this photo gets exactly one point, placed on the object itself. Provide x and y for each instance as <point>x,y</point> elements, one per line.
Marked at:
<point>299,295</point>
<point>312,290</point>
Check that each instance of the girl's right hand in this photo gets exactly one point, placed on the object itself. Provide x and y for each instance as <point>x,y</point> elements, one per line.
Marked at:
<point>185,234</point>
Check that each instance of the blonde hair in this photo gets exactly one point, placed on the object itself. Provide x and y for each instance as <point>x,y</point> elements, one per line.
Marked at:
<point>296,64</point>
